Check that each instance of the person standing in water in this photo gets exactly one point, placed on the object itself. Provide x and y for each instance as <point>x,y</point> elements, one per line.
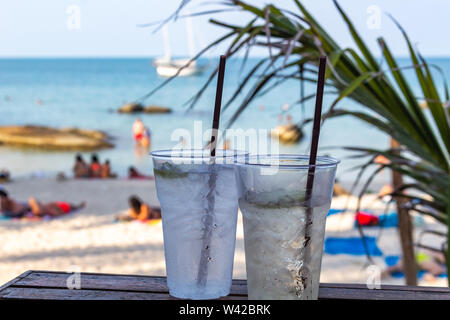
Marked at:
<point>141,136</point>
<point>145,140</point>
<point>138,130</point>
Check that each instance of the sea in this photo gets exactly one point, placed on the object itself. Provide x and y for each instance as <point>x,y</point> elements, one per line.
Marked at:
<point>86,93</point>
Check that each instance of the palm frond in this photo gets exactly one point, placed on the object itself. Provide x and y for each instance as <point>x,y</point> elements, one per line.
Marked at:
<point>294,40</point>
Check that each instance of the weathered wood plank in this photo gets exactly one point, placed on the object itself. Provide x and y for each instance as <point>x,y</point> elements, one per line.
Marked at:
<point>93,281</point>
<point>158,284</point>
<point>110,282</point>
<point>66,294</point>
<point>445,290</point>
<point>18,278</point>
<point>335,293</point>
<point>325,293</point>
<point>52,285</point>
<point>22,293</point>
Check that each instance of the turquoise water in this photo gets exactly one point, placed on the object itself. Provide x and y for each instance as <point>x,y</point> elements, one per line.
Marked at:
<point>85,92</point>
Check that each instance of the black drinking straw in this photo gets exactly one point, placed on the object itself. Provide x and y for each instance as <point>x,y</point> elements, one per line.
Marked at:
<point>316,125</point>
<point>217,106</point>
<point>205,258</point>
<point>312,162</point>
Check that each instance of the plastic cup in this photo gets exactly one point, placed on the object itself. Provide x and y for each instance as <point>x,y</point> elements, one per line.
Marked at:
<point>199,205</point>
<point>282,261</point>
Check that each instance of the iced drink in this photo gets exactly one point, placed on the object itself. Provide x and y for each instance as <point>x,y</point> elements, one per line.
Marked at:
<point>283,248</point>
<point>199,204</point>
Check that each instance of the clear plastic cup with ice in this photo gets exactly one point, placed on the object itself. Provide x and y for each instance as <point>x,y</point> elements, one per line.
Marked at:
<point>283,226</point>
<point>199,206</point>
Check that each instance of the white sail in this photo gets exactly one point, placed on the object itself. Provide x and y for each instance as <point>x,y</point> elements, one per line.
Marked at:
<point>166,67</point>
<point>165,59</point>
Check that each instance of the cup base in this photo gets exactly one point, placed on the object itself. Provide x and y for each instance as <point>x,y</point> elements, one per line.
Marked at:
<point>196,294</point>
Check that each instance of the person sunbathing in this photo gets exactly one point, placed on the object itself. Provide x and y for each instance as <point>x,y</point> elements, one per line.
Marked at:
<point>16,209</point>
<point>140,211</point>
<point>4,176</point>
<point>430,262</point>
<point>11,208</point>
<point>52,209</point>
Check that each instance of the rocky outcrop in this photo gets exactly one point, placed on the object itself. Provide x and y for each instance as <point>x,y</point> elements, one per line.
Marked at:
<point>131,108</point>
<point>139,108</point>
<point>288,133</point>
<point>156,109</point>
<point>51,138</point>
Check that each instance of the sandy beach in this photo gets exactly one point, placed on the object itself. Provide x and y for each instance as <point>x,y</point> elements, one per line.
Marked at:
<point>90,241</point>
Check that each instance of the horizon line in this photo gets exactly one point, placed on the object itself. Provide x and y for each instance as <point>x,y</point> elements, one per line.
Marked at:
<point>176,57</point>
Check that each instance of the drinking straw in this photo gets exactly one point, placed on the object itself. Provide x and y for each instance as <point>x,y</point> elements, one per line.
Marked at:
<point>316,125</point>
<point>313,155</point>
<point>216,117</point>
<point>302,90</point>
<point>209,215</point>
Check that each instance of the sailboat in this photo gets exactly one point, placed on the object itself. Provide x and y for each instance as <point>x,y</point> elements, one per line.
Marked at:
<point>168,67</point>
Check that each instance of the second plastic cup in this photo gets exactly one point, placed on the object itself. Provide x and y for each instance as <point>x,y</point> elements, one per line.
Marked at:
<point>283,226</point>
<point>199,205</point>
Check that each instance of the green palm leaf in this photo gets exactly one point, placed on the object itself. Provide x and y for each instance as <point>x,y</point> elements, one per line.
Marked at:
<point>388,100</point>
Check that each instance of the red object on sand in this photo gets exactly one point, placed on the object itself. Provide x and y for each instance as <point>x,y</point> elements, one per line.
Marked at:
<point>64,206</point>
<point>366,219</point>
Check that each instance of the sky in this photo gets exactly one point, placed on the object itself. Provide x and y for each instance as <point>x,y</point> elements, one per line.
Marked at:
<point>110,28</point>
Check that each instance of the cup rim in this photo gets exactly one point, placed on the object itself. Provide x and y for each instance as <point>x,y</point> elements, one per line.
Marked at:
<point>196,154</point>
<point>321,161</point>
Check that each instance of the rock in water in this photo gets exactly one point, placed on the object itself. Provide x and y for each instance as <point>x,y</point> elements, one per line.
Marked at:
<point>138,108</point>
<point>288,133</point>
<point>55,139</point>
<point>132,107</point>
<point>156,109</point>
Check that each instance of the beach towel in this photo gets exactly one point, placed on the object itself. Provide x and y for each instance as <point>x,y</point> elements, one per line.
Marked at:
<point>393,260</point>
<point>352,246</point>
<point>150,222</point>
<point>31,217</point>
<point>389,220</point>
<point>334,211</point>
<point>366,219</point>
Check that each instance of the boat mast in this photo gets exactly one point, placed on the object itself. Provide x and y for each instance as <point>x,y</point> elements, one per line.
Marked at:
<point>190,35</point>
<point>166,39</point>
